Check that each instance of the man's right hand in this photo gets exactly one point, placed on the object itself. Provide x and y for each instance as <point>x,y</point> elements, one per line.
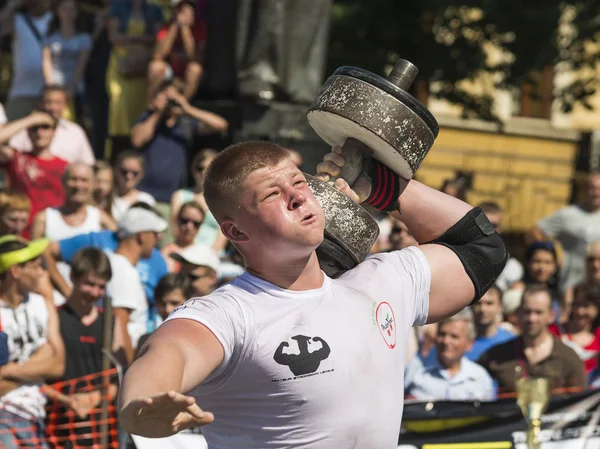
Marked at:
<point>40,118</point>
<point>160,102</point>
<point>332,166</point>
<point>163,415</point>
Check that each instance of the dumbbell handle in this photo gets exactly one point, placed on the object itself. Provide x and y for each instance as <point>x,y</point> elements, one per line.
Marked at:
<point>353,154</point>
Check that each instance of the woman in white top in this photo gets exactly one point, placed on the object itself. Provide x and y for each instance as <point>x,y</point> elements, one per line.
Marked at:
<point>129,171</point>
<point>75,216</point>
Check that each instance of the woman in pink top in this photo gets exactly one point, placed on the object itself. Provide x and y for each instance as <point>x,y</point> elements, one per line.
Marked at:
<point>188,222</point>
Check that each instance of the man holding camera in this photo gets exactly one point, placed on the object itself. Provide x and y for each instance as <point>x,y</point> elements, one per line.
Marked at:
<point>164,133</point>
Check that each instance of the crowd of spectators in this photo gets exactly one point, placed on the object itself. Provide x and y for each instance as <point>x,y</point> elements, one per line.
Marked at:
<point>540,319</point>
<point>102,203</point>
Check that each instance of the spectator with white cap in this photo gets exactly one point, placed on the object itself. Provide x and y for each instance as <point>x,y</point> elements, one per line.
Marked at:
<point>511,300</point>
<point>200,264</point>
<point>139,232</point>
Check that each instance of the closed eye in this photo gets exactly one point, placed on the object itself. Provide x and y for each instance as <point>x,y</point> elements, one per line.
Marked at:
<point>300,181</point>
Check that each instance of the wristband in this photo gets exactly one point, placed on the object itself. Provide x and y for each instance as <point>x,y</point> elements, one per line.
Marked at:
<point>385,187</point>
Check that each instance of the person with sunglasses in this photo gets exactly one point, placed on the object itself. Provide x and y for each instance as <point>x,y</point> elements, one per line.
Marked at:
<point>200,265</point>
<point>188,223</point>
<point>210,234</point>
<point>129,170</point>
<point>38,173</point>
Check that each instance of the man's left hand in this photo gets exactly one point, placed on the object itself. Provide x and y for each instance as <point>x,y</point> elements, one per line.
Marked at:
<point>179,99</point>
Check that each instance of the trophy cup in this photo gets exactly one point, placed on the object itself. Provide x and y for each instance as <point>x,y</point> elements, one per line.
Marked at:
<point>533,395</point>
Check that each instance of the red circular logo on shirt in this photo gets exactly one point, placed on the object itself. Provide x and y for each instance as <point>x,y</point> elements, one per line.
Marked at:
<point>386,322</point>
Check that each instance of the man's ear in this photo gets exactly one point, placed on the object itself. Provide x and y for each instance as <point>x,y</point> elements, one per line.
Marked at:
<point>233,233</point>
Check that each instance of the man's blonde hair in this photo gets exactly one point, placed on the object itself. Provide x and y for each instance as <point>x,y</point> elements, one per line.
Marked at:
<point>230,168</point>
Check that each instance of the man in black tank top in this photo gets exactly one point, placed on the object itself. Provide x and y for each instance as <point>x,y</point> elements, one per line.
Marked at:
<point>82,329</point>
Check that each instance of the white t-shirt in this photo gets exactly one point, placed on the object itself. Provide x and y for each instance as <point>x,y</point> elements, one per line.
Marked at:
<point>126,291</point>
<point>315,369</point>
<point>58,229</point>
<point>26,328</point>
<point>27,79</point>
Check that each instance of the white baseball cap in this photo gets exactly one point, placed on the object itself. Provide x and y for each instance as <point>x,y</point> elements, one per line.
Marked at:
<point>511,300</point>
<point>200,255</point>
<point>138,219</point>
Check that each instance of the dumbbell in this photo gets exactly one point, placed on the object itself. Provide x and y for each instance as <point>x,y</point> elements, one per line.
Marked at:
<point>370,115</point>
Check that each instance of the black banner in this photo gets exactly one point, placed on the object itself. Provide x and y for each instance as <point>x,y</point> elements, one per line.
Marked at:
<point>570,421</point>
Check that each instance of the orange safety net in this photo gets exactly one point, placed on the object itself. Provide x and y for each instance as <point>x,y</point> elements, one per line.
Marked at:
<point>82,412</point>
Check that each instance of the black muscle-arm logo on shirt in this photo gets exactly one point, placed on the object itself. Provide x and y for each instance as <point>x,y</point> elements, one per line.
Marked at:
<point>304,362</point>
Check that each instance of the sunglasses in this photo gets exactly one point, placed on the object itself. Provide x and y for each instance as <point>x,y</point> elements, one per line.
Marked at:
<point>44,127</point>
<point>196,277</point>
<point>184,221</point>
<point>125,172</point>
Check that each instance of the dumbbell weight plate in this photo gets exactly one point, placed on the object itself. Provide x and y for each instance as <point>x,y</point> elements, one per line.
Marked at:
<point>350,107</point>
<point>350,231</point>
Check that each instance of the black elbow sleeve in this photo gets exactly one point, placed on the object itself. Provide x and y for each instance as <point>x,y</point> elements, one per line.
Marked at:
<point>479,247</point>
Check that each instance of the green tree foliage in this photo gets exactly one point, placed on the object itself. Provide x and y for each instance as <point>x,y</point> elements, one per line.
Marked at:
<point>446,40</point>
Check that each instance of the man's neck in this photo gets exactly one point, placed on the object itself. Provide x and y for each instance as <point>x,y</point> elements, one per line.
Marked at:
<point>451,368</point>
<point>537,341</point>
<point>42,153</point>
<point>303,274</point>
<point>67,29</point>
<point>38,10</point>
<point>590,208</point>
<point>81,308</point>
<point>130,251</point>
<point>487,330</point>
<point>124,191</point>
<point>72,207</point>
<point>10,295</point>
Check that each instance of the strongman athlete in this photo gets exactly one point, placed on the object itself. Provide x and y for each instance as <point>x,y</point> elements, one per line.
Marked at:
<point>284,356</point>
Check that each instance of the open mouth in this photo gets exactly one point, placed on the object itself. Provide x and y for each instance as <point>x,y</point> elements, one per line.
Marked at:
<point>307,217</point>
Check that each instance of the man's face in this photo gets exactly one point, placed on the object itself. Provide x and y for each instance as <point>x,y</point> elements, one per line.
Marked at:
<point>279,215</point>
<point>55,103</point>
<point>14,222</point>
<point>452,341</point>
<point>41,136</point>
<point>535,314</point>
<point>203,279</point>
<point>28,275</point>
<point>593,191</point>
<point>89,288</point>
<point>78,183</point>
<point>148,240</point>
<point>168,303</point>
<point>487,309</point>
<point>593,265</point>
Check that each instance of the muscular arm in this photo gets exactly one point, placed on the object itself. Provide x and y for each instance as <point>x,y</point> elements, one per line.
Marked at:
<point>143,131</point>
<point>165,45</point>
<point>190,351</point>
<point>51,257</point>
<point>107,222</point>
<point>38,227</point>
<point>14,127</point>
<point>122,317</point>
<point>429,213</point>
<point>189,44</point>
<point>209,121</point>
<point>47,65</point>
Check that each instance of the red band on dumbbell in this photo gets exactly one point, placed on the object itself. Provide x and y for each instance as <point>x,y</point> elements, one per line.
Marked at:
<point>385,188</point>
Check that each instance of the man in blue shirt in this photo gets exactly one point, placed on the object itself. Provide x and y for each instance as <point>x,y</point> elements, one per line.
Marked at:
<point>488,312</point>
<point>151,270</point>
<point>163,134</point>
<point>450,375</point>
